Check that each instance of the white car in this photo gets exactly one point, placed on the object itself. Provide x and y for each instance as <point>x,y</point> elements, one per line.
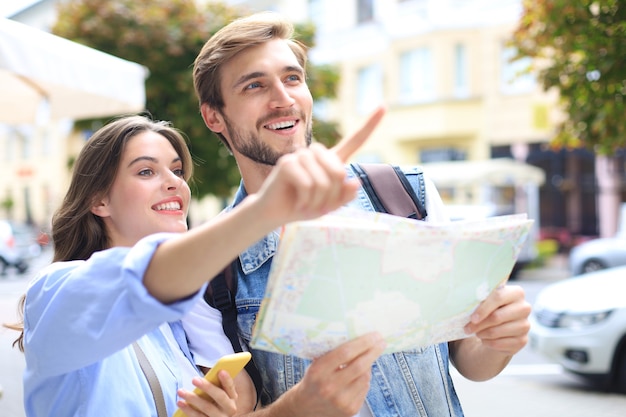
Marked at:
<point>17,246</point>
<point>597,254</point>
<point>580,323</point>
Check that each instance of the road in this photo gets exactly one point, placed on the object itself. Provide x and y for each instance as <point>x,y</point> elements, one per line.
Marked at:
<point>529,386</point>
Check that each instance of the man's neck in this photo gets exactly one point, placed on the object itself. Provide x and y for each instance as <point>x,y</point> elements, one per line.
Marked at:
<point>253,174</point>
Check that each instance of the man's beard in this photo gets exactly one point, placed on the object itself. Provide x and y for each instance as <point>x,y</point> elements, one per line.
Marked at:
<point>249,145</point>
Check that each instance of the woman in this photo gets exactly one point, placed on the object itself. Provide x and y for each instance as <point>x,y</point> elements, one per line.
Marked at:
<point>117,278</point>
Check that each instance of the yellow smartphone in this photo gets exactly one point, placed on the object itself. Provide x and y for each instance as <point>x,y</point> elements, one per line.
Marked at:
<point>233,364</point>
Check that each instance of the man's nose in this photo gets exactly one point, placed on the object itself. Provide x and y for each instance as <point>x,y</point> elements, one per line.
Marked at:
<point>280,96</point>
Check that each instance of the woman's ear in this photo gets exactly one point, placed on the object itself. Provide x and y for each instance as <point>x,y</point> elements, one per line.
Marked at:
<point>100,207</point>
<point>212,118</point>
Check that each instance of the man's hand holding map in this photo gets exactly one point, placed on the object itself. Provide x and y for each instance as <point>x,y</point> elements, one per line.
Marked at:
<point>352,272</point>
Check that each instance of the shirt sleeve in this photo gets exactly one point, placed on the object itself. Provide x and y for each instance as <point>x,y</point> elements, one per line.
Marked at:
<point>205,335</point>
<point>80,312</point>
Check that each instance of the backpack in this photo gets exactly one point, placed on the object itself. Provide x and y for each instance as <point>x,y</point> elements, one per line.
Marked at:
<point>389,191</point>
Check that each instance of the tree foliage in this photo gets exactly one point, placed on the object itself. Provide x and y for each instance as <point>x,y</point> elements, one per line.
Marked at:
<point>579,47</point>
<point>165,36</point>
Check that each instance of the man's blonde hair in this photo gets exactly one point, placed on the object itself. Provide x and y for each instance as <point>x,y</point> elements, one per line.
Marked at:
<point>232,39</point>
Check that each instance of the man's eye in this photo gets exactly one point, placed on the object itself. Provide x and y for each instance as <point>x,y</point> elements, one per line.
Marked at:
<point>253,85</point>
<point>294,78</point>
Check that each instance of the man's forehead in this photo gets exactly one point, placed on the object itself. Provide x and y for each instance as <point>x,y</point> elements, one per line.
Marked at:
<point>270,55</point>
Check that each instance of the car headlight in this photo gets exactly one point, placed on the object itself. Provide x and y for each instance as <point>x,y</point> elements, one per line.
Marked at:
<point>571,320</point>
<point>578,320</point>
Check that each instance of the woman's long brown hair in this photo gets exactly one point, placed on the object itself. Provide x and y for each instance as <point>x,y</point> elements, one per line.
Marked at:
<point>76,232</point>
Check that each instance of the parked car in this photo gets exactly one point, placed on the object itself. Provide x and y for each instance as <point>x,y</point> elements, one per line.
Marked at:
<point>581,324</point>
<point>18,245</point>
<point>596,254</point>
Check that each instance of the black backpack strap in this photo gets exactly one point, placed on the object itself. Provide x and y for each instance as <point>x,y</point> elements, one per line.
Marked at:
<point>220,294</point>
<point>389,190</point>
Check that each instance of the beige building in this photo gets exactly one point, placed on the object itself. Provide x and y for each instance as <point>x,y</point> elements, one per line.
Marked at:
<point>441,68</point>
<point>450,95</point>
<point>34,170</point>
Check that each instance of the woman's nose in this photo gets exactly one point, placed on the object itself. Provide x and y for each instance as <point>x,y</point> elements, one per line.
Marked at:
<point>173,181</point>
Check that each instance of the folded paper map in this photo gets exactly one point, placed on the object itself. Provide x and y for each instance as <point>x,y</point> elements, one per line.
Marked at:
<point>352,272</point>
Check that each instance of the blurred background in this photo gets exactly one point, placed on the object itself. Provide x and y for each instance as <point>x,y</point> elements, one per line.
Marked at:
<point>509,106</point>
<point>495,129</point>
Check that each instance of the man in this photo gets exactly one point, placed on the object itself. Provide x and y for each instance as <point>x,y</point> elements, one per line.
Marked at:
<point>250,79</point>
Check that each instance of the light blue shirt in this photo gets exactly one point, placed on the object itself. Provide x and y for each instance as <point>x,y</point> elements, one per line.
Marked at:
<point>81,318</point>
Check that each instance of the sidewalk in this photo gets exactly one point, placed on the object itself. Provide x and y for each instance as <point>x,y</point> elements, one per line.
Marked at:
<point>555,269</point>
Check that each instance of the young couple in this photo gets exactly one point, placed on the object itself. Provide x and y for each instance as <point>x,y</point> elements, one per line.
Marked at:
<point>125,277</point>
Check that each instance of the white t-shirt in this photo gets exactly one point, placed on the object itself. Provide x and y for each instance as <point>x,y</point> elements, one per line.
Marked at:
<point>207,341</point>
<point>365,411</point>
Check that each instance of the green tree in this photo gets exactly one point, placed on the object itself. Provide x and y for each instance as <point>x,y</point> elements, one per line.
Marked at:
<point>165,36</point>
<point>579,47</point>
<point>7,205</point>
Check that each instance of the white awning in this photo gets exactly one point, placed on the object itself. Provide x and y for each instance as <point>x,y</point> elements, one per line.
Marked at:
<point>41,71</point>
<point>497,172</point>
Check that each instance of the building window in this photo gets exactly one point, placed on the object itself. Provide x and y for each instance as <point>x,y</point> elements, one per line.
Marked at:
<point>461,71</point>
<point>369,93</point>
<point>442,155</point>
<point>364,11</point>
<point>27,147</point>
<point>417,76</point>
<point>8,145</point>
<point>515,77</point>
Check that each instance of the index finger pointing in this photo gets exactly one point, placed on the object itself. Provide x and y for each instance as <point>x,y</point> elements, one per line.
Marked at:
<point>348,145</point>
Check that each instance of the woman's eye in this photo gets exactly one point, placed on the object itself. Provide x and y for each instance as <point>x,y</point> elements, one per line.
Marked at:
<point>179,172</point>
<point>145,172</point>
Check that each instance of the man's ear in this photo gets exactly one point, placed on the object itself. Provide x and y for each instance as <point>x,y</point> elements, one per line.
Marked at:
<point>100,207</point>
<point>212,118</point>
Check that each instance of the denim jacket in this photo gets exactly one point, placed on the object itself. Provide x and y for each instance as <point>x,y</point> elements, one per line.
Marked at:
<point>410,383</point>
